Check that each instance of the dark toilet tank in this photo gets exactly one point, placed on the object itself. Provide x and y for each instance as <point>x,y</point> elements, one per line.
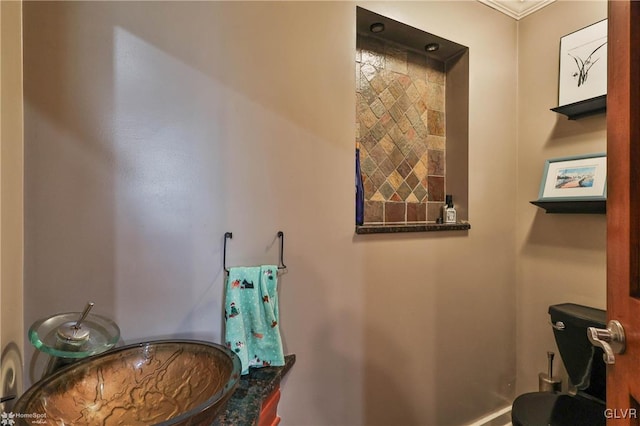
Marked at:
<point>582,360</point>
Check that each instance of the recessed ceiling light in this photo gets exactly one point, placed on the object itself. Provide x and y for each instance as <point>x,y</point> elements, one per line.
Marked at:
<point>432,47</point>
<point>377,27</point>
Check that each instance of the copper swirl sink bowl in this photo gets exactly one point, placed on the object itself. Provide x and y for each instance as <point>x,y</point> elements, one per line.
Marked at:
<point>167,382</point>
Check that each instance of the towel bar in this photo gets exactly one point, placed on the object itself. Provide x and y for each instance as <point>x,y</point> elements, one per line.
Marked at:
<point>228,235</point>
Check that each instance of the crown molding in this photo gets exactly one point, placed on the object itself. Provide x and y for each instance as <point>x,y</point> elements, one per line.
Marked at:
<point>517,9</point>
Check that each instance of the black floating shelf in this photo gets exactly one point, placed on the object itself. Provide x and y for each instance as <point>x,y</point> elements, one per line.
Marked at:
<point>584,108</point>
<point>564,206</point>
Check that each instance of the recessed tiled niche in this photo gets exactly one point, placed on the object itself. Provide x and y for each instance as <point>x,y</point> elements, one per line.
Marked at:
<point>411,125</point>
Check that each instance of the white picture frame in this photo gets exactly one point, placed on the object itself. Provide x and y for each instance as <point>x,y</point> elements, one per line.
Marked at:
<point>583,64</point>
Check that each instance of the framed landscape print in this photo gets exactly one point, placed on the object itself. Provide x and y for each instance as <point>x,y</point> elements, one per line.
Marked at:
<point>575,178</point>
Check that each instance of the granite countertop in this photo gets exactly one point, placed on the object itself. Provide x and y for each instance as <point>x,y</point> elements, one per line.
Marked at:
<point>412,227</point>
<point>243,408</point>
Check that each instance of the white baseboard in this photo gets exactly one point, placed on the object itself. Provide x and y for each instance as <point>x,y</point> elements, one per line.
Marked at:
<point>489,418</point>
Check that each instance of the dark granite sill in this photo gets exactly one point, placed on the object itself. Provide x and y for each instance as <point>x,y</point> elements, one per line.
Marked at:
<point>418,227</point>
<point>243,408</point>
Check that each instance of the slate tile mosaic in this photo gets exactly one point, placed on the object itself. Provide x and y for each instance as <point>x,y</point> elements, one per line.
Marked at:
<point>400,129</point>
<point>436,188</point>
<point>416,212</point>
<point>394,212</point>
<point>373,211</point>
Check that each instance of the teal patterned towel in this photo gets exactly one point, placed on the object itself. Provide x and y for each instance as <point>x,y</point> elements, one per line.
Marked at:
<point>251,316</point>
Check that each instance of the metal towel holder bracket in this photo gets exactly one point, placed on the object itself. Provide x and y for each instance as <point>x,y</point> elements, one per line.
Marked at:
<point>228,235</point>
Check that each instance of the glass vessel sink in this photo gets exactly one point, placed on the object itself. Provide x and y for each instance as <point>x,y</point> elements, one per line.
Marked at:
<point>167,382</point>
<point>99,335</point>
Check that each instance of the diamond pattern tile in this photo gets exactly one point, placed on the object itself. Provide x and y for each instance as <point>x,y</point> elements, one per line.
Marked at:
<point>412,180</point>
<point>400,126</point>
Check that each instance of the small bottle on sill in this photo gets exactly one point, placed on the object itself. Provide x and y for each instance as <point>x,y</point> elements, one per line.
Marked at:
<point>450,211</point>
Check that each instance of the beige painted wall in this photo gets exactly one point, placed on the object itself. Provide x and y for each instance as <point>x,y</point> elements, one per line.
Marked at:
<point>153,128</point>
<point>561,258</point>
<point>446,314</point>
<point>11,200</point>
